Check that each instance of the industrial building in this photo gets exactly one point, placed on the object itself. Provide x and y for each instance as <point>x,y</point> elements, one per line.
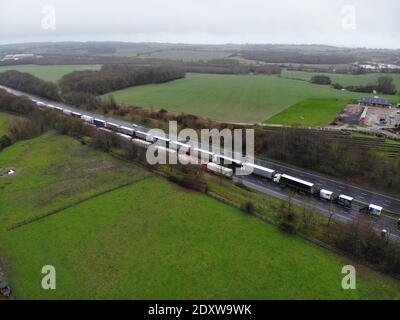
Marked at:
<point>375,102</point>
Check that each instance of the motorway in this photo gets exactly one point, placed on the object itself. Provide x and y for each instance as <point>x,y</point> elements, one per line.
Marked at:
<point>362,195</point>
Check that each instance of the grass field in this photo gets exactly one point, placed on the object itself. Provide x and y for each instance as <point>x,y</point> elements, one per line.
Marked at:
<point>344,79</point>
<point>50,73</point>
<point>54,171</point>
<point>151,239</point>
<point>310,112</point>
<point>238,98</point>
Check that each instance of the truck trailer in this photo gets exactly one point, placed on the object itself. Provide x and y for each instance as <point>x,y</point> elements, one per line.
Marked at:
<point>127,130</point>
<point>87,118</point>
<point>112,126</point>
<point>99,123</point>
<point>344,201</point>
<point>213,167</point>
<point>295,183</point>
<point>228,161</point>
<point>326,195</point>
<point>144,136</point>
<point>373,210</point>
<point>141,143</point>
<point>259,170</point>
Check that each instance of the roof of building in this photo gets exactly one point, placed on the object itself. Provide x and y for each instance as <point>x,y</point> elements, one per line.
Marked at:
<point>375,100</point>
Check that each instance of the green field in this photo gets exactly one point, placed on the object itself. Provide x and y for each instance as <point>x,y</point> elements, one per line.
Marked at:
<point>54,171</point>
<point>237,98</point>
<point>50,73</point>
<point>151,239</point>
<point>310,112</point>
<point>343,79</point>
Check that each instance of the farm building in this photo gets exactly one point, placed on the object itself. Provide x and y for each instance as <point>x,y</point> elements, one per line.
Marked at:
<point>375,102</point>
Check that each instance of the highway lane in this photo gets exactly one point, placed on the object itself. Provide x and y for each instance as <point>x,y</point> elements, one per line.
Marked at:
<point>360,194</point>
<point>322,206</point>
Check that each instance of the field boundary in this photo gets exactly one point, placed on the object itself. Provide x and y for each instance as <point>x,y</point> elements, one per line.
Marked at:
<point>53,212</point>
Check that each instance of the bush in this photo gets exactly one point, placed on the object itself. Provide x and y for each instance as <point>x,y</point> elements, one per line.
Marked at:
<point>321,79</point>
<point>21,129</point>
<point>5,142</point>
<point>248,207</point>
<point>26,82</point>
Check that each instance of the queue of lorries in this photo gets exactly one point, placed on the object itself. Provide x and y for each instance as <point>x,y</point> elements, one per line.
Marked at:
<point>215,163</point>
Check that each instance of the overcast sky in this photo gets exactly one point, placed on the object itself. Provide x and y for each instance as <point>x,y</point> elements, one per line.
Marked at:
<point>352,23</point>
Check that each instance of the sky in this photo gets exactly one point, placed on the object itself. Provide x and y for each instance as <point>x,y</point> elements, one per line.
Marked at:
<point>350,23</point>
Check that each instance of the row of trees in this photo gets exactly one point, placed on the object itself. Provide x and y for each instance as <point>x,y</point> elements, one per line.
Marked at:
<point>287,56</point>
<point>26,82</point>
<point>384,85</point>
<point>311,150</point>
<point>358,238</point>
<point>115,77</point>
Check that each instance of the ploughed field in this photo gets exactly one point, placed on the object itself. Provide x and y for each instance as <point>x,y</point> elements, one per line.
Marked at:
<point>149,238</point>
<point>236,98</point>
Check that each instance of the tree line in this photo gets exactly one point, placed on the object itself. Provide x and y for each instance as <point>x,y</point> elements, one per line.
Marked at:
<point>115,77</point>
<point>384,85</point>
<point>315,151</point>
<point>287,56</point>
<point>26,82</point>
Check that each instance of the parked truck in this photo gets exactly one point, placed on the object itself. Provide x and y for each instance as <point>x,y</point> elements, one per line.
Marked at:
<point>295,183</point>
<point>373,210</point>
<point>99,123</point>
<point>259,170</point>
<point>326,195</point>
<point>213,167</point>
<point>344,201</point>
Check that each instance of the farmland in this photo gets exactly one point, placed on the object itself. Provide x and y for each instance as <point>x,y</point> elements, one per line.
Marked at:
<point>237,98</point>
<point>310,112</point>
<point>343,79</point>
<point>49,72</point>
<point>150,239</point>
<point>186,55</point>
